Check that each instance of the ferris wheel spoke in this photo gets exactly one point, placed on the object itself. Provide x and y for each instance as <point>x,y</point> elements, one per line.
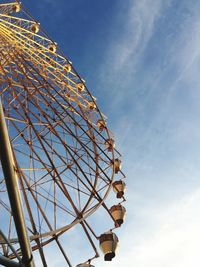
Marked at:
<point>37,202</point>
<point>64,157</point>
<point>5,206</point>
<point>74,110</point>
<point>37,240</point>
<point>55,202</point>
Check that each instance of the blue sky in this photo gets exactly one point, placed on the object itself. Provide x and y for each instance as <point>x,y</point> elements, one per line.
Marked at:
<point>142,59</point>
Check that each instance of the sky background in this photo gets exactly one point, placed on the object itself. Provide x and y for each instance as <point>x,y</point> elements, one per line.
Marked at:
<point>141,59</point>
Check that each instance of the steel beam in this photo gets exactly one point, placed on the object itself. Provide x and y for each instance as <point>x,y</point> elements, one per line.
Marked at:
<point>8,263</point>
<point>10,245</point>
<point>10,175</point>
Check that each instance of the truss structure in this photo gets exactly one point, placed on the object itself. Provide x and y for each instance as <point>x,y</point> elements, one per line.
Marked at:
<point>59,139</point>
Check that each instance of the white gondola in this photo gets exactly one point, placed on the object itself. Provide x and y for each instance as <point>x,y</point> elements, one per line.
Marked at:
<point>101,124</point>
<point>52,47</point>
<point>108,244</point>
<point>35,27</point>
<point>119,187</point>
<point>16,7</point>
<point>80,87</point>
<point>92,105</point>
<point>67,67</point>
<point>118,213</point>
<point>110,144</point>
<point>117,165</point>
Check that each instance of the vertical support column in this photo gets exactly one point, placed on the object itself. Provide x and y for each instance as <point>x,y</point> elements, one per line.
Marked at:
<point>10,176</point>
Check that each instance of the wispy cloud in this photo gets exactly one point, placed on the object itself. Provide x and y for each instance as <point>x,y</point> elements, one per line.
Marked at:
<point>122,59</point>
<point>173,240</point>
<point>136,27</point>
<point>156,117</point>
<point>138,31</point>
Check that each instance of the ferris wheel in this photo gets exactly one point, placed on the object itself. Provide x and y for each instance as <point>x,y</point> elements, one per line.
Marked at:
<point>61,154</point>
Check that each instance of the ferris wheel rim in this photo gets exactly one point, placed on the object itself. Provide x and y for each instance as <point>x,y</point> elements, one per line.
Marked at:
<point>87,210</point>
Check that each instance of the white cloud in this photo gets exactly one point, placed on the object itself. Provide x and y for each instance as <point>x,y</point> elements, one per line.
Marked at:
<point>169,235</point>
<point>137,27</point>
<point>172,242</point>
<point>184,53</point>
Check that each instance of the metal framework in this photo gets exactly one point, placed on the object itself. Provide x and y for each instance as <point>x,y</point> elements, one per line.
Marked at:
<point>58,138</point>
